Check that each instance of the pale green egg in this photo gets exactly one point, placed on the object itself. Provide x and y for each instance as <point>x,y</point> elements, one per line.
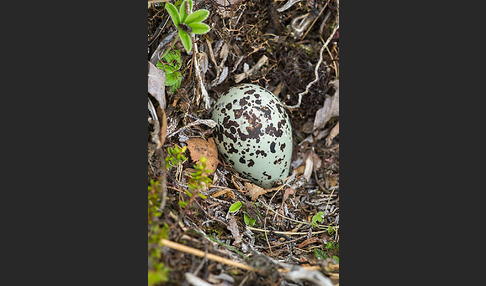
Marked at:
<point>254,133</point>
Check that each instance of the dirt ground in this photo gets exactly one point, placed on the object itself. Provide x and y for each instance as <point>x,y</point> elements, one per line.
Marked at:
<point>292,49</point>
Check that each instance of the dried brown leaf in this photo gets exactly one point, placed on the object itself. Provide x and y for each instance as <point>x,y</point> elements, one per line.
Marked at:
<point>287,193</point>
<point>199,148</point>
<point>237,184</point>
<point>228,193</point>
<point>254,191</point>
<point>156,84</point>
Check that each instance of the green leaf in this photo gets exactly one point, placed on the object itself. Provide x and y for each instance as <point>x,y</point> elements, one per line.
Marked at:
<point>156,277</point>
<point>186,40</point>
<point>165,231</point>
<point>170,69</point>
<point>185,9</point>
<point>317,217</point>
<point>176,86</point>
<point>174,14</point>
<point>173,57</point>
<point>199,28</point>
<point>235,207</point>
<point>320,254</point>
<point>197,16</point>
<point>172,78</point>
<point>167,68</point>
<point>247,219</point>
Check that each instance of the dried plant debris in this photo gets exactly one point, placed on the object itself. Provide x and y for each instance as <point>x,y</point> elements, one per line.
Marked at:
<point>287,235</point>
<point>156,86</point>
<point>329,110</point>
<point>199,148</point>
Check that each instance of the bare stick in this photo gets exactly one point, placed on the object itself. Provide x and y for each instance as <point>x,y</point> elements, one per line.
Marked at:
<point>197,252</point>
<point>241,76</point>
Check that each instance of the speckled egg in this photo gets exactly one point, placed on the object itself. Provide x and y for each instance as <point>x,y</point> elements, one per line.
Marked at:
<point>253,133</point>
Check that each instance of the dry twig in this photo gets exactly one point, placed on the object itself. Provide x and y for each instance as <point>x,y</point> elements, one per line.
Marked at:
<point>200,253</point>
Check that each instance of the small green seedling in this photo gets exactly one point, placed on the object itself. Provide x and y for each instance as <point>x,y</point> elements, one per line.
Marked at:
<point>330,252</point>
<point>175,156</point>
<point>331,230</point>
<point>157,272</point>
<point>153,197</point>
<point>171,65</point>
<point>200,179</point>
<point>320,254</point>
<point>187,22</point>
<point>234,208</point>
<point>249,220</point>
<point>318,217</point>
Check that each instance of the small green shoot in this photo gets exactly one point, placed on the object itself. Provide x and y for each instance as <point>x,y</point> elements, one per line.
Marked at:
<point>171,65</point>
<point>320,254</point>
<point>248,220</point>
<point>199,179</point>
<point>331,230</point>
<point>157,272</point>
<point>153,198</point>
<point>188,22</point>
<point>331,250</point>
<point>318,217</point>
<point>330,245</point>
<point>175,156</point>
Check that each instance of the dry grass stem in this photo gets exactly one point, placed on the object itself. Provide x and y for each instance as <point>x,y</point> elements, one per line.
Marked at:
<point>200,253</point>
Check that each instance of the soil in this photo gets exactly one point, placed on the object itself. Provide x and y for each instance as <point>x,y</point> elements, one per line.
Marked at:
<point>295,41</point>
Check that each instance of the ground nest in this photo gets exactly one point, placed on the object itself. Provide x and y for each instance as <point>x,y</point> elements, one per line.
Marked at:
<point>215,227</point>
